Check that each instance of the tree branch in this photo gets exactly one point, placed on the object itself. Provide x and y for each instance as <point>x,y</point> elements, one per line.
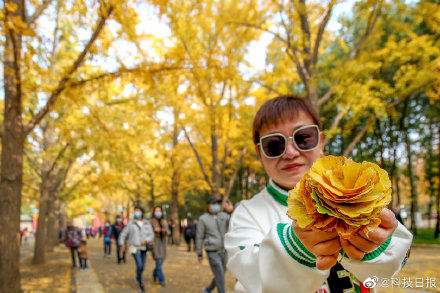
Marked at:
<point>259,28</point>
<point>33,163</point>
<point>373,118</point>
<point>60,153</point>
<point>325,97</point>
<point>64,81</point>
<point>199,159</point>
<point>321,30</point>
<point>38,11</point>
<point>372,19</point>
<point>305,27</point>
<point>265,86</point>
<point>335,124</point>
<point>234,175</point>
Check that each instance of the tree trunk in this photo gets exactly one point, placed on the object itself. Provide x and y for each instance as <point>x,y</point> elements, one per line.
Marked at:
<point>175,184</point>
<point>40,237</point>
<point>51,223</point>
<point>11,156</point>
<point>414,206</point>
<point>216,180</point>
<point>437,203</point>
<point>175,210</point>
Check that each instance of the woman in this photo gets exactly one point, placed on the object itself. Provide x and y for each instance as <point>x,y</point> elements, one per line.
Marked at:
<point>72,239</point>
<point>107,239</point>
<point>160,243</point>
<point>137,233</point>
<point>270,253</point>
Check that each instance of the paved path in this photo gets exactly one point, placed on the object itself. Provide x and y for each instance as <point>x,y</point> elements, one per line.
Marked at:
<point>184,274</point>
<point>87,281</point>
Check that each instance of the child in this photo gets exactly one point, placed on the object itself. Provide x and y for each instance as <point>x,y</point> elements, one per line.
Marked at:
<point>83,254</point>
<point>270,253</point>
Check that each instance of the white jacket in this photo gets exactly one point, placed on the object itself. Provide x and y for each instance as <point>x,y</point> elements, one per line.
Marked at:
<point>265,255</point>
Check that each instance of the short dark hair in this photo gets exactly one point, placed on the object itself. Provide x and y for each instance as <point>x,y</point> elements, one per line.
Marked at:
<point>139,208</point>
<point>280,109</point>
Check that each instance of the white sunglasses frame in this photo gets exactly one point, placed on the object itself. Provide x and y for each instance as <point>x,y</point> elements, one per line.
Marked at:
<point>293,140</point>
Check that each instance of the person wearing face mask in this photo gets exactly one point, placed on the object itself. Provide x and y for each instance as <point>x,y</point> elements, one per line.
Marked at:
<point>117,228</point>
<point>160,243</point>
<point>211,229</point>
<point>268,252</point>
<point>107,232</point>
<point>137,233</point>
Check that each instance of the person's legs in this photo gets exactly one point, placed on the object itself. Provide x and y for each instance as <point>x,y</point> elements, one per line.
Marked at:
<point>118,252</point>
<point>109,249</point>
<point>194,243</point>
<point>188,242</point>
<point>139,267</point>
<point>77,254</point>
<point>123,256</point>
<point>216,264</point>
<point>72,253</point>
<point>158,271</point>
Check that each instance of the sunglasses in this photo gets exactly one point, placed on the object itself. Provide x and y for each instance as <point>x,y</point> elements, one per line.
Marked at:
<point>305,138</point>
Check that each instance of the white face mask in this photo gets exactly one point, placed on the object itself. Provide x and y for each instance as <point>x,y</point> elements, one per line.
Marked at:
<point>215,208</point>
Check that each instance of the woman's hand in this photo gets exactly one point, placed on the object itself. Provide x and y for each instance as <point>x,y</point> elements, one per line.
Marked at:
<point>325,246</point>
<point>358,245</point>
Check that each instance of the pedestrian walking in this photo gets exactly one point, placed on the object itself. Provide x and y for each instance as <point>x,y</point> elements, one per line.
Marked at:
<point>268,252</point>
<point>190,234</point>
<point>26,235</point>
<point>160,243</point>
<point>211,229</point>
<point>107,232</point>
<point>72,239</point>
<point>100,232</point>
<point>137,233</point>
<point>83,254</point>
<point>117,228</point>
<point>170,232</point>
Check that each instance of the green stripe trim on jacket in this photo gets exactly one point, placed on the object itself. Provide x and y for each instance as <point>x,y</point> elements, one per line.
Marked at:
<point>278,196</point>
<point>282,234</point>
<point>374,254</point>
<point>300,245</point>
<point>378,251</point>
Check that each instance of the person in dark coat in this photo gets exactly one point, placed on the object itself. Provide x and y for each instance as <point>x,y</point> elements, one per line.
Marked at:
<point>160,243</point>
<point>116,230</point>
<point>190,234</point>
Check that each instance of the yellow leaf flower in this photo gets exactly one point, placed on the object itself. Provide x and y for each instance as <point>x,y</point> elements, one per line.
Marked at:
<point>340,194</point>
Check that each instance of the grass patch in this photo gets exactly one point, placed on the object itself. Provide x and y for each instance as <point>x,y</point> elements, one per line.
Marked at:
<point>426,236</point>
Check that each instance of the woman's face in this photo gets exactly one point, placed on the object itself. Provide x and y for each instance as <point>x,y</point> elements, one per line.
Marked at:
<point>157,210</point>
<point>288,169</point>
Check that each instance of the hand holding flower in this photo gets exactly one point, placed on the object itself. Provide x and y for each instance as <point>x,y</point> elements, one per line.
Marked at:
<point>324,245</point>
<point>359,244</point>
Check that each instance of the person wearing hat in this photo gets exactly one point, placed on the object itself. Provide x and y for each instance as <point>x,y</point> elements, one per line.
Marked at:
<point>211,229</point>
<point>117,228</point>
<point>137,233</point>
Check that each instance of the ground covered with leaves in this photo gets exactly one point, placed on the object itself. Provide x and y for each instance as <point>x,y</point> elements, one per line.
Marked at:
<point>183,273</point>
<point>53,276</point>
